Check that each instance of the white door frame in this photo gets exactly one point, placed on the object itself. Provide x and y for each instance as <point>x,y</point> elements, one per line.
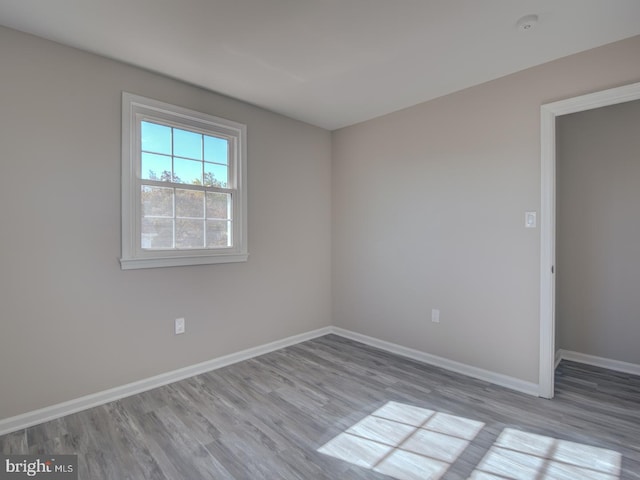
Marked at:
<point>548,114</point>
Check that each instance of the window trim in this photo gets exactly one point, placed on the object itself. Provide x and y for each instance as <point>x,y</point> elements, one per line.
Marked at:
<point>136,108</point>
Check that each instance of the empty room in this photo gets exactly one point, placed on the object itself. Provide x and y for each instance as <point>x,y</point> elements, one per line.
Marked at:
<point>320,239</point>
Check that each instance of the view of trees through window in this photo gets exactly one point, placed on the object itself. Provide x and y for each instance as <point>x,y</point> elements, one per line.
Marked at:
<point>184,182</point>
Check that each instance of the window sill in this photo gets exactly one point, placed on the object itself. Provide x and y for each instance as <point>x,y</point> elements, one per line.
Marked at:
<point>137,263</point>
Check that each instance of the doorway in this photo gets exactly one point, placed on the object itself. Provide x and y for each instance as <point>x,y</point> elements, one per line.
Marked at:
<point>549,112</point>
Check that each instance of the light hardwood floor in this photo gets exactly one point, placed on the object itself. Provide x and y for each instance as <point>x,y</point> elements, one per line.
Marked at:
<point>293,413</point>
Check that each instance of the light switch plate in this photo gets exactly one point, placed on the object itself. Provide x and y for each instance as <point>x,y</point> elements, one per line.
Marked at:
<point>530,219</point>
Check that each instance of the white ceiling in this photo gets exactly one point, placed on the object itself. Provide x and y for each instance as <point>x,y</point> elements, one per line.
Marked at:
<point>331,63</point>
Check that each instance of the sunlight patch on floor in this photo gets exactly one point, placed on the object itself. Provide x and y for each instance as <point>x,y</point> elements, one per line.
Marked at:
<point>519,455</point>
<point>405,442</point>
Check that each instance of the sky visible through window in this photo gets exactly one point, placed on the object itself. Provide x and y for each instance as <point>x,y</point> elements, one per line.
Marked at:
<point>181,156</point>
<point>184,218</point>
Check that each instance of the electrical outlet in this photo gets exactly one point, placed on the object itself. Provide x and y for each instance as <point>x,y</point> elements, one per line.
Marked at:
<point>179,326</point>
<point>435,315</point>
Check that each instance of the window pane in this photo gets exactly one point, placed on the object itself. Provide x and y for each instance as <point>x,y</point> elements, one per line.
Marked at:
<point>187,144</point>
<point>216,150</point>
<point>189,233</point>
<point>187,171</point>
<point>215,175</point>
<point>157,201</point>
<point>218,205</point>
<point>157,233</point>
<point>155,138</point>
<point>155,167</point>
<point>189,204</point>
<point>218,233</point>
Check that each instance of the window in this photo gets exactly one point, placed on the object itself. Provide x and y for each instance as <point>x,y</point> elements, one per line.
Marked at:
<point>183,179</point>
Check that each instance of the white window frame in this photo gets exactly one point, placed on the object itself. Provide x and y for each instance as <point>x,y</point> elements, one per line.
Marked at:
<point>135,109</point>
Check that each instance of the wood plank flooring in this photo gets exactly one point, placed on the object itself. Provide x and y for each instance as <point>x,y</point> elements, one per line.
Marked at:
<point>266,418</point>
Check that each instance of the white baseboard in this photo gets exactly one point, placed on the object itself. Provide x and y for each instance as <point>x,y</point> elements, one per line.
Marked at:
<point>52,412</point>
<point>558,358</point>
<point>475,372</point>
<point>616,365</point>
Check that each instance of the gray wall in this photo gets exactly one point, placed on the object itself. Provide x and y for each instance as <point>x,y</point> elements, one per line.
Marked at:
<point>428,212</point>
<point>598,232</point>
<point>71,321</point>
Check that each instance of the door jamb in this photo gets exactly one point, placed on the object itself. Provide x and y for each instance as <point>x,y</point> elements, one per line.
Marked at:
<point>548,114</point>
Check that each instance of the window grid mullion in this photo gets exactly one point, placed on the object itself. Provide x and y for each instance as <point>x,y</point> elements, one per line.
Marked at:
<point>204,206</point>
<point>202,159</point>
<point>204,199</point>
<point>174,218</point>
<point>173,163</point>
